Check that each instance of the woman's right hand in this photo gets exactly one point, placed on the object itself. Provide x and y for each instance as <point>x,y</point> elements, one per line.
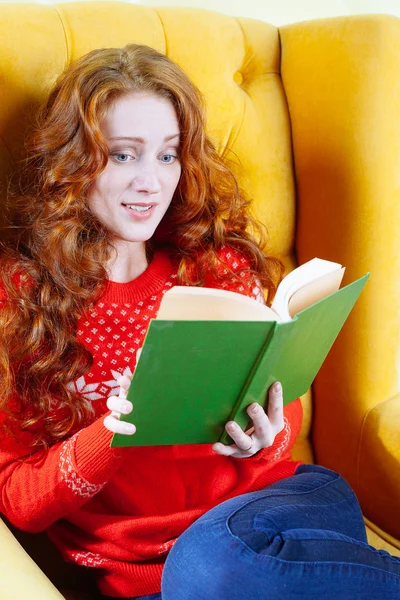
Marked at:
<point>119,405</point>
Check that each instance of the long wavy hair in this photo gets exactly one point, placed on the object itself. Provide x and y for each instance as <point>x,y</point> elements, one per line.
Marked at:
<point>54,264</point>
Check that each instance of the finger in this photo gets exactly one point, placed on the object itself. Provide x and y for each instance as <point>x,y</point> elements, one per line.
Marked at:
<point>275,406</point>
<point>241,439</point>
<point>263,429</point>
<point>124,383</point>
<point>116,426</point>
<point>119,405</point>
<point>224,450</point>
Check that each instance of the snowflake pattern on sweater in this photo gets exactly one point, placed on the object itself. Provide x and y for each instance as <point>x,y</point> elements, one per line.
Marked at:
<point>115,333</point>
<point>99,391</point>
<point>124,519</point>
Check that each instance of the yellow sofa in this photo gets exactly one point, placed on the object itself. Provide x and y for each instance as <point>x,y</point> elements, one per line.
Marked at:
<point>308,116</point>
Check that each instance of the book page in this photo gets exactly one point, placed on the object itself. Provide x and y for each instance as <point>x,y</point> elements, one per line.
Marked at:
<point>186,303</point>
<point>315,291</point>
<point>296,280</point>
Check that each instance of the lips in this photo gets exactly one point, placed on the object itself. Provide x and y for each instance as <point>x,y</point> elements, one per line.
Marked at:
<point>139,211</point>
<point>139,207</point>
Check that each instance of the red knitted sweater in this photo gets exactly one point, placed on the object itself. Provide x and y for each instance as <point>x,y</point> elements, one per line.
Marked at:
<point>120,510</point>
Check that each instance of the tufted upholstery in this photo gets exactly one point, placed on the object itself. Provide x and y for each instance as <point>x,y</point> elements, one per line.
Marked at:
<point>308,118</point>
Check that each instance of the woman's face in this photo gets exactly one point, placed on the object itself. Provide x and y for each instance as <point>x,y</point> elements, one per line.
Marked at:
<point>132,194</point>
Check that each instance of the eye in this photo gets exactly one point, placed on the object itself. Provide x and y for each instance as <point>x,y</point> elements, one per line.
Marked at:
<point>122,157</point>
<point>168,158</point>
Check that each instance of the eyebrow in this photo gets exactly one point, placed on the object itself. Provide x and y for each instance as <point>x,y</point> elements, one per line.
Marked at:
<point>141,140</point>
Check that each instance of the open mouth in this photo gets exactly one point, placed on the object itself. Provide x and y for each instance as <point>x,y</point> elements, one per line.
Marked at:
<point>140,211</point>
<point>139,208</point>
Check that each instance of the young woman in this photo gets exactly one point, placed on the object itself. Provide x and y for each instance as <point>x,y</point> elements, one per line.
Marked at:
<point>126,197</point>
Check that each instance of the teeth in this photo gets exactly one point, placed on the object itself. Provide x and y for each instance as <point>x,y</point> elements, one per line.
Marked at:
<point>139,208</point>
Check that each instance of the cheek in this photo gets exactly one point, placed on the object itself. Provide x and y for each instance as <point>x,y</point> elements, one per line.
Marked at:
<point>107,183</point>
<point>97,199</point>
<point>93,198</point>
<point>175,178</point>
<point>103,188</point>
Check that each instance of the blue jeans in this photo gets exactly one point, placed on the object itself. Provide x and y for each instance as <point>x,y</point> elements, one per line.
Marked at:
<point>301,537</point>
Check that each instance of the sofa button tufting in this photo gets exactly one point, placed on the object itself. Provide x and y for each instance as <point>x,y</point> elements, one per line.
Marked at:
<point>238,78</point>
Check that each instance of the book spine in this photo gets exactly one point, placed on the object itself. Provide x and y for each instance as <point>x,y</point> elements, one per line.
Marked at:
<point>242,400</point>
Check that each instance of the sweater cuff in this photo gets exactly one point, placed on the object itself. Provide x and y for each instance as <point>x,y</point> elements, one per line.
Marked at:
<point>94,459</point>
<point>263,454</point>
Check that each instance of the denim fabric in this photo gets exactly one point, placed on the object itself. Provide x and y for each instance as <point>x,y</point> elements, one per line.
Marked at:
<point>302,537</point>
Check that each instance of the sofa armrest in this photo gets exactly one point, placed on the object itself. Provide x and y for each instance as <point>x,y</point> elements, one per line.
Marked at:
<point>20,576</point>
<point>342,82</point>
<point>379,464</point>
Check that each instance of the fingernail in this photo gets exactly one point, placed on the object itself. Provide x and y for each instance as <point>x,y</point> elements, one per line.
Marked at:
<point>255,408</point>
<point>231,426</point>
<point>277,387</point>
<point>128,428</point>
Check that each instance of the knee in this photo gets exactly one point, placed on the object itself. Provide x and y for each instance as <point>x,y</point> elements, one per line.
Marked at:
<point>196,564</point>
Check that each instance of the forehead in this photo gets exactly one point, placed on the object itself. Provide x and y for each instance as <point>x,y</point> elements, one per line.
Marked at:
<point>140,115</point>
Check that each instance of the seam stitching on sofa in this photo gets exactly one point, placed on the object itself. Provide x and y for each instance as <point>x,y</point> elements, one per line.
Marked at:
<point>163,28</point>
<point>246,52</point>
<point>63,25</point>
<point>231,141</point>
<point>245,43</point>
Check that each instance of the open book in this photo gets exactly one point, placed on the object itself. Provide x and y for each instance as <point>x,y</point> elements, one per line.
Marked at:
<point>301,288</point>
<point>210,353</point>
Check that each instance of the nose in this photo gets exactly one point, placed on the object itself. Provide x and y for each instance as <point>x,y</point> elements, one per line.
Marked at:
<point>146,181</point>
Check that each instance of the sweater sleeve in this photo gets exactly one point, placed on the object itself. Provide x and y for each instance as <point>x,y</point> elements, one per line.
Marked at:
<point>38,488</point>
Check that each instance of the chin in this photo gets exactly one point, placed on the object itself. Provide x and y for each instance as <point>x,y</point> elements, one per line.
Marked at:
<point>132,238</point>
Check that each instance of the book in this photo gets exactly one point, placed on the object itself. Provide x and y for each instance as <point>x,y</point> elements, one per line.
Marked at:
<point>212,352</point>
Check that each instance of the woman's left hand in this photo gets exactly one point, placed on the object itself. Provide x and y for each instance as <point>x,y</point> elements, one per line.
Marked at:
<point>266,427</point>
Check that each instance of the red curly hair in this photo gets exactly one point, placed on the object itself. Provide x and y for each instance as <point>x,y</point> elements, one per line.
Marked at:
<point>63,248</point>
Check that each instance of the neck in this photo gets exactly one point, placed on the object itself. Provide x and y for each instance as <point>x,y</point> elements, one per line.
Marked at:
<point>129,260</point>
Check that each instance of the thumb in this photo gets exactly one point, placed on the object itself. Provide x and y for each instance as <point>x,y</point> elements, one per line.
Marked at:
<point>124,383</point>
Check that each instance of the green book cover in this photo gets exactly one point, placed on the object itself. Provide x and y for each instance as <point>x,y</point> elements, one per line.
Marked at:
<point>194,376</point>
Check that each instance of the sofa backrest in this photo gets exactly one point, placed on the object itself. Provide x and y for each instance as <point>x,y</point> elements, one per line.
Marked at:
<point>340,136</point>
<point>234,62</point>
